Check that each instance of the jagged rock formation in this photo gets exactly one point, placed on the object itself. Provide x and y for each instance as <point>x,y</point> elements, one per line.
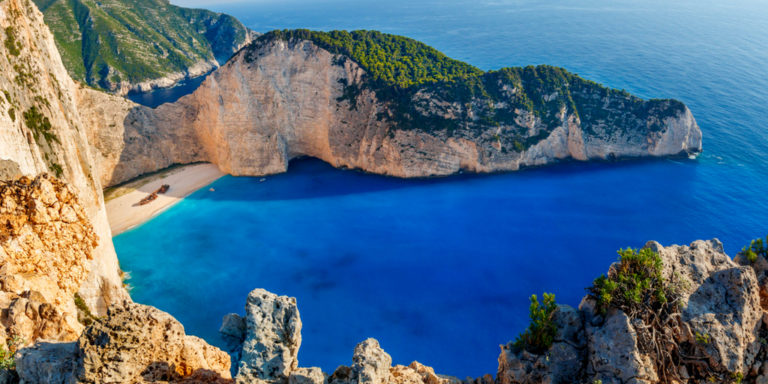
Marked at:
<point>134,343</point>
<point>271,332</point>
<point>121,45</point>
<point>279,99</point>
<point>41,130</point>
<point>46,241</point>
<point>719,340</point>
<point>272,339</point>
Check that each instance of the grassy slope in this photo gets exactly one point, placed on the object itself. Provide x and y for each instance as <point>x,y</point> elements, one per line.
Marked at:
<point>108,41</point>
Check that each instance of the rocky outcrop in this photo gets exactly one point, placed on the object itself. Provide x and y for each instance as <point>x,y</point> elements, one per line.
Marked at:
<point>277,100</point>
<point>272,339</point>
<point>134,343</point>
<point>718,339</point>
<point>271,332</point>
<point>46,241</point>
<point>137,342</point>
<point>561,364</point>
<point>41,131</point>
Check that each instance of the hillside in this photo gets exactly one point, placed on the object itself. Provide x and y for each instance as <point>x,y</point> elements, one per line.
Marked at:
<point>399,69</point>
<point>119,45</point>
<point>389,105</point>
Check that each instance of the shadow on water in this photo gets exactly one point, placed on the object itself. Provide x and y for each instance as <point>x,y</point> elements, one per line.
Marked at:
<point>310,178</point>
<point>157,97</point>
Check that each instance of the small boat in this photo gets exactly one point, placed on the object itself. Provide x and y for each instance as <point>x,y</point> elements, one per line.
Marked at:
<point>212,190</point>
<point>263,179</point>
<point>152,197</point>
<point>164,189</point>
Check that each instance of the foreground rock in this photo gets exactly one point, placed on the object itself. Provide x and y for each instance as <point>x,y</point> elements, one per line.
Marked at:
<point>46,241</point>
<point>272,338</point>
<point>718,341</point>
<point>134,343</point>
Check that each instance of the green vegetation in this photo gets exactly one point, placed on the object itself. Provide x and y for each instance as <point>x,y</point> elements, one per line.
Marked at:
<point>12,114</point>
<point>757,248</point>
<point>702,338</point>
<point>84,313</point>
<point>39,125</point>
<point>540,335</point>
<point>389,59</point>
<point>108,41</point>
<point>13,46</point>
<point>8,353</point>
<point>636,283</point>
<point>57,169</point>
<point>400,69</point>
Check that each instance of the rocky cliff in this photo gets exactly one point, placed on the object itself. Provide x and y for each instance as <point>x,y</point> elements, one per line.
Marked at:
<point>285,97</point>
<point>41,130</point>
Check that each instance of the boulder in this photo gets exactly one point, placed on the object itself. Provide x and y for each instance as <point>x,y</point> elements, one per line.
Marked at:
<point>137,342</point>
<point>272,340</point>
<point>370,365</point>
<point>48,362</point>
<point>722,302</point>
<point>613,356</point>
<point>312,375</point>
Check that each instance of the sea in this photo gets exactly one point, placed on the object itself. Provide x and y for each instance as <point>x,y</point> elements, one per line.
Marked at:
<point>441,270</point>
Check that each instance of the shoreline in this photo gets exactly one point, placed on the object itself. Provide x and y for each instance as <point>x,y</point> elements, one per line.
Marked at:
<point>123,211</point>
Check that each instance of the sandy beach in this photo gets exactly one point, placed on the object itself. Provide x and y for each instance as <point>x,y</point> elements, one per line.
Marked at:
<point>123,210</point>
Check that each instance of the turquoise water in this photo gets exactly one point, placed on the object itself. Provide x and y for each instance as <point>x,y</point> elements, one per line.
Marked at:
<point>440,270</point>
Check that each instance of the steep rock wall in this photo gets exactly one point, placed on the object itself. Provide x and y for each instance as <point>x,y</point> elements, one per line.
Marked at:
<point>278,100</point>
<point>41,131</point>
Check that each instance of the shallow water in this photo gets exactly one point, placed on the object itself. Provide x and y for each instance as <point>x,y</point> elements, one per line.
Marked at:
<point>440,270</point>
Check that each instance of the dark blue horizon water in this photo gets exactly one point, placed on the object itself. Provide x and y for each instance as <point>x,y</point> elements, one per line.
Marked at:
<point>440,270</point>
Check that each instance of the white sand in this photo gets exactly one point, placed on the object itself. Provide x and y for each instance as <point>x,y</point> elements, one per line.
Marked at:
<point>124,212</point>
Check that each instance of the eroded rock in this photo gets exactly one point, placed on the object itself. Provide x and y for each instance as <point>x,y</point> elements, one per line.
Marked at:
<point>273,338</point>
<point>137,342</point>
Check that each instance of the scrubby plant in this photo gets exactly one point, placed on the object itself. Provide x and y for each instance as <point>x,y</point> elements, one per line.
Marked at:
<point>540,335</point>
<point>756,248</point>
<point>702,338</point>
<point>39,124</point>
<point>84,313</point>
<point>8,353</point>
<point>11,44</point>
<point>635,284</point>
<point>57,169</point>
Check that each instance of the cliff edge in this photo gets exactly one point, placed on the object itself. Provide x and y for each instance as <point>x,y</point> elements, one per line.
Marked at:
<point>300,93</point>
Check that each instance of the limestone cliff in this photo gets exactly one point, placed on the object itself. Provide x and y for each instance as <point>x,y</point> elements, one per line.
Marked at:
<point>280,99</point>
<point>46,241</point>
<point>41,130</point>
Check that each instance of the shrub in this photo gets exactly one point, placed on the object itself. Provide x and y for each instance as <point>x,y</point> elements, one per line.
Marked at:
<point>755,248</point>
<point>40,125</point>
<point>540,335</point>
<point>635,284</point>
<point>8,353</point>
<point>84,313</point>
<point>11,44</point>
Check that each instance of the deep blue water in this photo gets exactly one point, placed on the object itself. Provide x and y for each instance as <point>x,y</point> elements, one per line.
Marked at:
<point>440,270</point>
<point>159,96</point>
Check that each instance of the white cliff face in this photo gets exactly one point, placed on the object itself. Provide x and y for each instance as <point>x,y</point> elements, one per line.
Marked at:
<point>277,100</point>
<point>41,131</point>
